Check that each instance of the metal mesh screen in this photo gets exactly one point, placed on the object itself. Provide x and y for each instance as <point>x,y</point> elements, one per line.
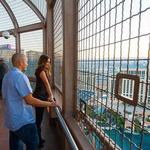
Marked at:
<point>114,37</point>
<point>58,44</point>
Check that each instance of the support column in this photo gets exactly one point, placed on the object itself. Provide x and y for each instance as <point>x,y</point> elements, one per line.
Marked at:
<point>18,47</point>
<point>50,37</point>
<point>70,57</point>
<point>44,40</point>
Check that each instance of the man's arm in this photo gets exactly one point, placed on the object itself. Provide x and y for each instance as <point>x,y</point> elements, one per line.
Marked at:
<point>29,99</point>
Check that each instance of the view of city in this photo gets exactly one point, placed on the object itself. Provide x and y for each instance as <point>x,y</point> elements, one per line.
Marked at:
<point>95,91</point>
<point>6,52</point>
<point>104,39</point>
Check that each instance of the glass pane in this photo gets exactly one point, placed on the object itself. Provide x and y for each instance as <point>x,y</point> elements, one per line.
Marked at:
<point>32,46</point>
<point>23,13</point>
<point>58,44</point>
<point>41,5</point>
<point>5,21</point>
<point>7,49</point>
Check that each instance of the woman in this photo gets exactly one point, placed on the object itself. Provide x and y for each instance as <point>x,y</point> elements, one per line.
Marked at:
<point>42,90</point>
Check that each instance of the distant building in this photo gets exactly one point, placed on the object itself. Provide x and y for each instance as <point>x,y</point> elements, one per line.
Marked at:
<point>96,74</point>
<point>6,51</point>
<point>6,47</point>
<point>33,55</point>
<point>127,85</point>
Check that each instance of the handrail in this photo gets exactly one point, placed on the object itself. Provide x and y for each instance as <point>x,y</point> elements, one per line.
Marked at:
<point>66,130</point>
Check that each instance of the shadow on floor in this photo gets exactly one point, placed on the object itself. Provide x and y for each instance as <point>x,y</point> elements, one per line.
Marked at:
<point>3,131</point>
<point>51,134</point>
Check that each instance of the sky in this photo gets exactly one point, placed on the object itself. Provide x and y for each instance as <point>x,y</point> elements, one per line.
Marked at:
<point>25,16</point>
<point>94,30</point>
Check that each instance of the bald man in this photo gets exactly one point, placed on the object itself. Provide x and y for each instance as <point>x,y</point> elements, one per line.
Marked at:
<point>19,112</point>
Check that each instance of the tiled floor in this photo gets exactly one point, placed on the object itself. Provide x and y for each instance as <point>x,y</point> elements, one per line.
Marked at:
<point>53,141</point>
<point>3,131</point>
<point>52,136</point>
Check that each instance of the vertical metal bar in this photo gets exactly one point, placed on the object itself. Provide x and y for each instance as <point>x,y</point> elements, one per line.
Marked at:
<point>17,38</point>
<point>45,41</point>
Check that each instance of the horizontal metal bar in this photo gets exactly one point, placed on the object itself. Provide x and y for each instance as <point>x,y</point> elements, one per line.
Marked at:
<point>66,130</point>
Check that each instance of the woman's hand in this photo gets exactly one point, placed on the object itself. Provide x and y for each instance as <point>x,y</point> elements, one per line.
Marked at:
<point>54,103</point>
<point>50,98</point>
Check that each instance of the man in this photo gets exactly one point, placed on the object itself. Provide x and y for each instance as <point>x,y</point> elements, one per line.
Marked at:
<point>3,71</point>
<point>18,106</point>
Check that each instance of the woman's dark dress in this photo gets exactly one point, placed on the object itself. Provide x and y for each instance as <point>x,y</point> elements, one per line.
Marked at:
<point>40,93</point>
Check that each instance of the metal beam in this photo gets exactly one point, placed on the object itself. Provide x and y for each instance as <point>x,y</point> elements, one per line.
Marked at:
<point>50,39</point>
<point>10,13</point>
<point>27,28</point>
<point>44,41</point>
<point>18,45</point>
<point>51,3</point>
<point>32,27</point>
<point>36,10</point>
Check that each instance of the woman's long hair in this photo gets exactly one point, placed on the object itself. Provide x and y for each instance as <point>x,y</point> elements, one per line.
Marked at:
<point>41,63</point>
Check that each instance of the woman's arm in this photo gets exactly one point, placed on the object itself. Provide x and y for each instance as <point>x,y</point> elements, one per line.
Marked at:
<point>47,85</point>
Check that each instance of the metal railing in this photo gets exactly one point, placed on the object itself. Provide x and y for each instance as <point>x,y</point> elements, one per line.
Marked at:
<point>66,130</point>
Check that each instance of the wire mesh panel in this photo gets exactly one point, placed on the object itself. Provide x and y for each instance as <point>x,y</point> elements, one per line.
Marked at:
<point>58,44</point>
<point>114,37</point>
<point>7,49</point>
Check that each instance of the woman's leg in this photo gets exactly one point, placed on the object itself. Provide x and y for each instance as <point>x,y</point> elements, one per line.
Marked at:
<point>39,118</point>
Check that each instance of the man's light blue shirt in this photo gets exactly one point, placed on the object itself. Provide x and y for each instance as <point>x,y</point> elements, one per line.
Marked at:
<point>17,112</point>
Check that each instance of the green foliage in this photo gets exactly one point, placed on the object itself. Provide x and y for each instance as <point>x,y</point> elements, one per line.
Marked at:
<point>102,120</point>
<point>90,112</point>
<point>137,126</point>
<point>86,131</point>
<point>148,119</point>
<point>119,120</point>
